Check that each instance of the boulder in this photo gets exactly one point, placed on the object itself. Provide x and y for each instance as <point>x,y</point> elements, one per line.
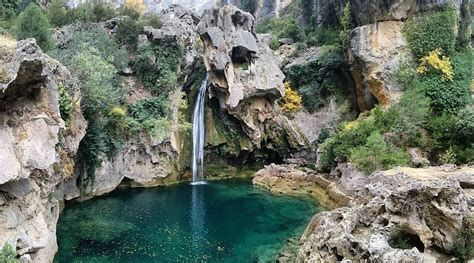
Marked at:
<point>403,214</point>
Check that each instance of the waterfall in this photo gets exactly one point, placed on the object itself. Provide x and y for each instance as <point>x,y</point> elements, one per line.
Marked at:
<point>198,135</point>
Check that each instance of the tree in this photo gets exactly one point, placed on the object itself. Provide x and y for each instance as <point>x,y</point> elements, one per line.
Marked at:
<point>32,22</point>
<point>346,25</point>
<point>136,5</point>
<point>57,13</point>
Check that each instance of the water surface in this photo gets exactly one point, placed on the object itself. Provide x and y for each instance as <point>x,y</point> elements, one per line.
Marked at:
<point>223,221</point>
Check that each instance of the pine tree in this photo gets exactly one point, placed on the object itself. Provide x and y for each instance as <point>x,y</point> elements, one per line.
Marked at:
<point>32,22</point>
<point>57,13</point>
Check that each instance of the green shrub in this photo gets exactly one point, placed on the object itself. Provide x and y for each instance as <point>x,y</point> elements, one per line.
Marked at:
<point>157,65</point>
<point>8,254</point>
<point>376,155</point>
<point>323,135</point>
<point>128,11</point>
<point>338,147</point>
<point>152,20</point>
<point>464,247</point>
<point>94,11</point>
<point>455,132</point>
<point>322,36</point>
<point>32,22</point>
<point>436,29</point>
<point>320,78</point>
<point>100,105</point>
<point>284,27</point>
<point>449,96</point>
<point>57,13</point>
<point>7,15</point>
<point>152,108</point>
<point>89,35</point>
<point>127,32</point>
<point>65,104</point>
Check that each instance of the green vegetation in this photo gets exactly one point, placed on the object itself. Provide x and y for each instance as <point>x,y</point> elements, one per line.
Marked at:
<point>317,80</point>
<point>100,105</point>
<point>464,248</point>
<point>65,104</point>
<point>362,143</point>
<point>94,60</point>
<point>127,32</point>
<point>8,254</point>
<point>56,13</point>
<point>431,31</point>
<point>377,155</point>
<point>157,65</point>
<point>434,114</point>
<point>32,22</point>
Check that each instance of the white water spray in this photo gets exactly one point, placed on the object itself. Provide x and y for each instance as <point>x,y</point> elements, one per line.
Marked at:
<point>198,135</point>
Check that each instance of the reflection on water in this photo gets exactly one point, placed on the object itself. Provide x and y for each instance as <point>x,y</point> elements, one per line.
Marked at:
<point>226,221</point>
<point>198,218</point>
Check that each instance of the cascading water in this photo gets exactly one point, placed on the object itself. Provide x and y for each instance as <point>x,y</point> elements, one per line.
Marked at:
<point>198,135</point>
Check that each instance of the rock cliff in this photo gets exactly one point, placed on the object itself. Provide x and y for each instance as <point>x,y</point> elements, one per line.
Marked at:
<point>37,148</point>
<point>244,79</point>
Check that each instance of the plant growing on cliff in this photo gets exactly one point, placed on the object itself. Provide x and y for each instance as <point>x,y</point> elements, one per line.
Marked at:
<point>291,100</point>
<point>317,80</point>
<point>127,32</point>
<point>65,104</point>
<point>32,22</point>
<point>8,254</point>
<point>103,138</point>
<point>157,65</point>
<point>346,25</point>
<point>87,36</point>
<point>431,31</point>
<point>435,60</point>
<point>464,247</point>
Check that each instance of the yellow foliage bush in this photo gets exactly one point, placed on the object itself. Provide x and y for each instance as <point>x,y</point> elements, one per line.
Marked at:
<point>437,61</point>
<point>136,5</point>
<point>292,100</point>
<point>117,112</point>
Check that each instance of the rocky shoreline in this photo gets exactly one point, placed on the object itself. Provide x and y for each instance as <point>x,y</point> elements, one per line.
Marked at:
<point>399,215</point>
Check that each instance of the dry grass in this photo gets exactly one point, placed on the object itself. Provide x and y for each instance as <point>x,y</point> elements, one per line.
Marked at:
<point>7,47</point>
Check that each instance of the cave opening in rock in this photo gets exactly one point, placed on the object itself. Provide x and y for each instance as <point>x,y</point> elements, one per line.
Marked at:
<point>241,56</point>
<point>405,240</point>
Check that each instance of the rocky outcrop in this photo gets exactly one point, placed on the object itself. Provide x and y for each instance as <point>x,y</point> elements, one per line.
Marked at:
<point>179,24</point>
<point>404,214</point>
<point>244,77</point>
<point>289,179</point>
<point>141,162</point>
<point>376,51</point>
<point>36,150</point>
<point>368,12</point>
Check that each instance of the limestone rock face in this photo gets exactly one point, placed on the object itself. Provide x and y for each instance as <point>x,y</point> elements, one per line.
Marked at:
<point>376,50</point>
<point>243,73</point>
<point>423,207</point>
<point>142,162</point>
<point>367,12</point>
<point>32,162</point>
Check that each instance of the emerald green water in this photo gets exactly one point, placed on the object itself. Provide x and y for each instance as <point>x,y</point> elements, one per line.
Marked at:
<point>224,221</point>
